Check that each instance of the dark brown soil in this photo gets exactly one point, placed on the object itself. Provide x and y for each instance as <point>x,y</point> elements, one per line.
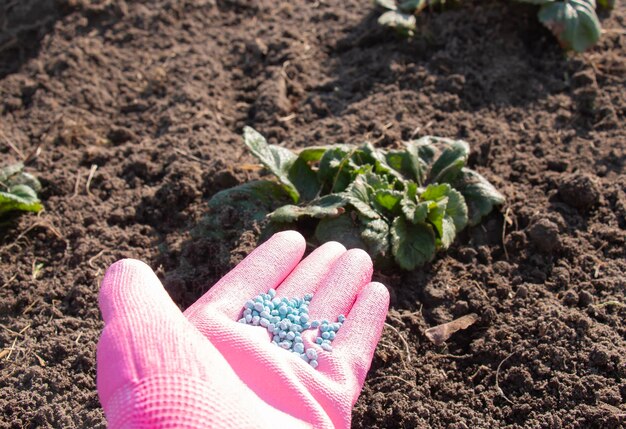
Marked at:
<point>151,97</point>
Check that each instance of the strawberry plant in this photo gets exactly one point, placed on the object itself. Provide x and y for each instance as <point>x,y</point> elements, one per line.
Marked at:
<point>400,205</point>
<point>18,190</point>
<point>573,22</point>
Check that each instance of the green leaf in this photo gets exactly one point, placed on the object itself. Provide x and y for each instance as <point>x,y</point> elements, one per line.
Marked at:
<point>10,170</point>
<point>449,164</point>
<point>435,192</point>
<point>327,206</point>
<point>313,154</point>
<point>388,200</point>
<point>28,180</point>
<point>14,174</point>
<point>336,168</point>
<point>19,198</point>
<point>18,190</point>
<point>456,209</point>
<point>371,235</point>
<point>400,161</point>
<point>359,194</point>
<point>413,211</point>
<point>573,22</point>
<point>412,245</point>
<point>375,235</point>
<point>276,159</point>
<point>343,229</point>
<point>437,213</point>
<point>255,197</point>
<point>386,4</point>
<point>447,212</point>
<point>447,233</point>
<point>304,179</point>
<point>421,154</point>
<point>238,209</point>
<point>403,23</point>
<point>415,6</point>
<point>480,195</point>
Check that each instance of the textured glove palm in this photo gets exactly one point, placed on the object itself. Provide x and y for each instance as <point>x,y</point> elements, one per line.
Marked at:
<point>160,368</point>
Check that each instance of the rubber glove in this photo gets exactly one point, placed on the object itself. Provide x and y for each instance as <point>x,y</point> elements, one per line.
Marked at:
<point>160,368</point>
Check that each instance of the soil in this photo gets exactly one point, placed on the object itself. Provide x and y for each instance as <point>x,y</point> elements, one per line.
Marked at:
<point>138,107</point>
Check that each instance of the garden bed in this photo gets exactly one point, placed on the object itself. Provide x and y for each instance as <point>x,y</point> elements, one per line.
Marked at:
<point>138,109</point>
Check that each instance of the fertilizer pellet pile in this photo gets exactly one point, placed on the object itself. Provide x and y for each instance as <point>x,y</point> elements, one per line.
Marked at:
<point>286,319</point>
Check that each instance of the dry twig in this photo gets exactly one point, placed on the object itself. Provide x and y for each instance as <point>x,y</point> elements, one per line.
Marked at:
<point>406,344</point>
<point>92,171</point>
<point>498,388</point>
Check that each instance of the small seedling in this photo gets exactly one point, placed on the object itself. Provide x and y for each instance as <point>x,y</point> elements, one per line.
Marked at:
<point>573,22</point>
<point>398,205</point>
<point>18,190</point>
<point>37,269</point>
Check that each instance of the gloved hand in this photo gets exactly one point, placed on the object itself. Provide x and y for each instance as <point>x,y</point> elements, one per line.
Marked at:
<point>160,368</point>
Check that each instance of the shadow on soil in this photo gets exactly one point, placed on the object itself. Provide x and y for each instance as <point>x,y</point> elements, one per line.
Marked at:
<point>23,25</point>
<point>470,51</point>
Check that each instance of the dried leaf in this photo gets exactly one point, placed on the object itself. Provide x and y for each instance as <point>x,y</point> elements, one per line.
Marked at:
<point>439,334</point>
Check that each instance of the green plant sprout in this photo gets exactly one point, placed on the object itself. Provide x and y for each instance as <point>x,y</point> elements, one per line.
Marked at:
<point>573,22</point>
<point>398,205</point>
<point>18,190</point>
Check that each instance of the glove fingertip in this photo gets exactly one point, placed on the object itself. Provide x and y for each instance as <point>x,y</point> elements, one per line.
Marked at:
<point>123,286</point>
<point>360,333</point>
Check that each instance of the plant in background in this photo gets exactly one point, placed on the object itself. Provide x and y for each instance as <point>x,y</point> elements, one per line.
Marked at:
<point>573,22</point>
<point>18,190</point>
<point>400,205</point>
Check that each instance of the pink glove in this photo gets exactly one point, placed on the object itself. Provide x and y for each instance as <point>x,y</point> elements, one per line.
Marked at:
<point>158,368</point>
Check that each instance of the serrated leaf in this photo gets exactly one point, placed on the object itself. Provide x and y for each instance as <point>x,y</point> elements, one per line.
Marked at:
<point>457,210</point>
<point>449,164</point>
<point>26,179</point>
<point>412,245</point>
<point>14,174</point>
<point>447,212</point>
<point>403,23</point>
<point>255,197</point>
<point>375,235</point>
<point>367,154</point>
<point>19,198</point>
<point>327,206</point>
<point>304,179</point>
<point>414,212</point>
<point>359,194</point>
<point>386,4</point>
<point>342,229</point>
<point>388,200</point>
<point>436,215</point>
<point>10,170</point>
<point>480,195</point>
<point>421,154</point>
<point>447,232</point>
<point>573,22</point>
<point>276,159</point>
<point>435,192</point>
<point>18,190</point>
<point>336,168</point>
